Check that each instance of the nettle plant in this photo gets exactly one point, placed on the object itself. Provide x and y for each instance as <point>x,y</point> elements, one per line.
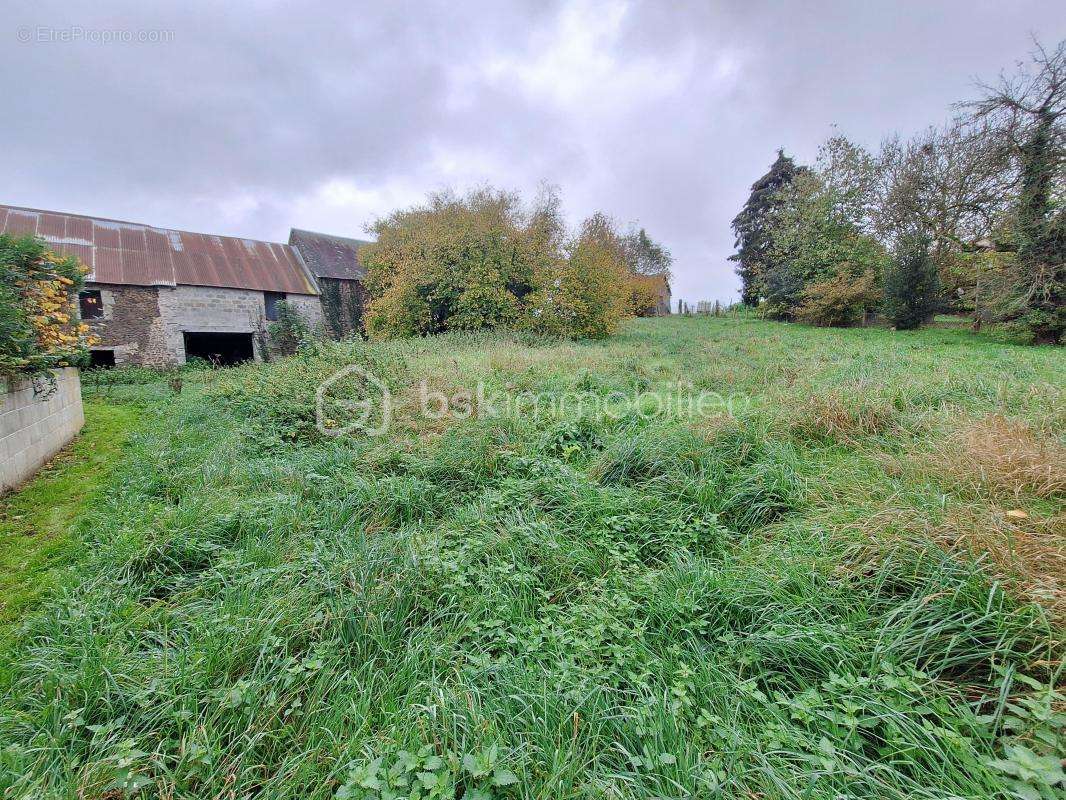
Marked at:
<point>39,326</point>
<point>425,775</point>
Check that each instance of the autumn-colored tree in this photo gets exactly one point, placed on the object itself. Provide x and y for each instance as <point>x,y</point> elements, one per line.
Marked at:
<point>646,292</point>
<point>588,292</point>
<point>39,326</point>
<point>455,263</point>
<point>485,260</point>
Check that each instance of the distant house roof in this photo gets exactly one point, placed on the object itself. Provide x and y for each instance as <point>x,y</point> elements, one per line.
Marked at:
<point>329,256</point>
<point>140,255</point>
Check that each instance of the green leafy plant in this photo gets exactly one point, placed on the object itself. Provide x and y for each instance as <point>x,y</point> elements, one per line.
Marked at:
<point>39,326</point>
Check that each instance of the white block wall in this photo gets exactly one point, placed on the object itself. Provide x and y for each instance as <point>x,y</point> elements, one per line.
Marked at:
<point>33,428</point>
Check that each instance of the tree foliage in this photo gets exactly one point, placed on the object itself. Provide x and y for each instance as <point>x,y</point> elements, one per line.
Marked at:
<point>649,264</point>
<point>753,226</point>
<point>1027,110</point>
<point>986,193</point>
<point>486,260</point>
<point>39,326</point>
<point>819,244</point>
<point>644,256</point>
<point>912,284</point>
<point>587,292</point>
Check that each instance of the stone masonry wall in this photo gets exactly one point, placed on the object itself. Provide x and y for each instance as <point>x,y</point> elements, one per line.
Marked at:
<point>129,324</point>
<point>33,428</point>
<point>146,325</point>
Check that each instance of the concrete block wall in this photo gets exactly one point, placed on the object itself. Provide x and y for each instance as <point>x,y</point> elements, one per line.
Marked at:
<point>201,308</point>
<point>33,428</point>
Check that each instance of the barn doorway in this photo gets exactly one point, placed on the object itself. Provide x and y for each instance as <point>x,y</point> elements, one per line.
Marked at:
<point>101,359</point>
<point>222,349</point>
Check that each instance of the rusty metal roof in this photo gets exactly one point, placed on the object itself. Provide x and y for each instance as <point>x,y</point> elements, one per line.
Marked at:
<point>329,256</point>
<point>131,253</point>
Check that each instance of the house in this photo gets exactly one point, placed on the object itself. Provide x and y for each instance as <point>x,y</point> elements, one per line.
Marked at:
<point>334,262</point>
<point>156,296</point>
<point>662,294</point>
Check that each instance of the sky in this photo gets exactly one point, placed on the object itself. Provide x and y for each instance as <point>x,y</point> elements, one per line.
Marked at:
<point>248,118</point>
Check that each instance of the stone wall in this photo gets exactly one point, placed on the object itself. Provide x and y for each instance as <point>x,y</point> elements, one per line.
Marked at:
<point>146,325</point>
<point>130,324</point>
<point>34,427</point>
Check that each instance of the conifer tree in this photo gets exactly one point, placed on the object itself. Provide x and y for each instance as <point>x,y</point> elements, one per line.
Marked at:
<point>752,225</point>
<point>912,284</point>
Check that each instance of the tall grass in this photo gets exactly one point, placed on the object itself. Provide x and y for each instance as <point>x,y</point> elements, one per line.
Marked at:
<point>580,608</point>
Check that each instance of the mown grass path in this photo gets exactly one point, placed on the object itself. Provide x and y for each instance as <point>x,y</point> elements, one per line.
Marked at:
<point>36,521</point>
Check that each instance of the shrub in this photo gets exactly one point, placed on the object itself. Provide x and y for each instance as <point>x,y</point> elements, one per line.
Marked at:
<point>39,327</point>
<point>840,300</point>
<point>912,286</point>
<point>486,261</point>
<point>289,331</point>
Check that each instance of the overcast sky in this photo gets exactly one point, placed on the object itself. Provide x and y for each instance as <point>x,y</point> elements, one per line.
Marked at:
<point>249,118</point>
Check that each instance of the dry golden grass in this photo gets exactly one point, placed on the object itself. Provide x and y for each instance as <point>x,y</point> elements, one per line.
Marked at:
<point>1028,553</point>
<point>843,415</point>
<point>1003,458</point>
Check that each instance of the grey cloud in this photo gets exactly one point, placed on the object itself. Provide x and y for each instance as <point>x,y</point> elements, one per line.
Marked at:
<point>665,118</point>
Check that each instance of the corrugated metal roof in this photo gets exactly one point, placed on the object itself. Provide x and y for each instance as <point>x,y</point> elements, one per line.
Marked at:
<point>131,253</point>
<point>329,256</point>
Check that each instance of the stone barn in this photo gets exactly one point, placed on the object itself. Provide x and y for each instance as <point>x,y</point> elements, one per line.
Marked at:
<point>334,261</point>
<point>156,296</point>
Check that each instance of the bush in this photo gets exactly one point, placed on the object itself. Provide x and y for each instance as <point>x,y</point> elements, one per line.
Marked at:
<point>587,294</point>
<point>289,331</point>
<point>912,285</point>
<point>838,301</point>
<point>486,261</point>
<point>39,327</point>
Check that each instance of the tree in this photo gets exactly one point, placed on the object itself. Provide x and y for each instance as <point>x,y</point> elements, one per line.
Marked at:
<point>587,293</point>
<point>645,256</point>
<point>1027,111</point>
<point>817,241</point>
<point>649,263</point>
<point>753,225</point>
<point>454,263</point>
<point>912,286</point>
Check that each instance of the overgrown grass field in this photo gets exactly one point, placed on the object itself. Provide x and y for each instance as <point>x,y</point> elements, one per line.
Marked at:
<point>845,581</point>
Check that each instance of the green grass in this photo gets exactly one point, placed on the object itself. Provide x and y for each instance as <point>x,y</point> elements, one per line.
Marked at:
<point>814,595</point>
<point>36,521</point>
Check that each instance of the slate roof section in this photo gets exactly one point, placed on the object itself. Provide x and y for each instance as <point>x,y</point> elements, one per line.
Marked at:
<point>140,255</point>
<point>329,256</point>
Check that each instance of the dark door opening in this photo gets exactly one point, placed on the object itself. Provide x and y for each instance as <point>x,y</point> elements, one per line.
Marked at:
<point>101,359</point>
<point>222,349</point>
